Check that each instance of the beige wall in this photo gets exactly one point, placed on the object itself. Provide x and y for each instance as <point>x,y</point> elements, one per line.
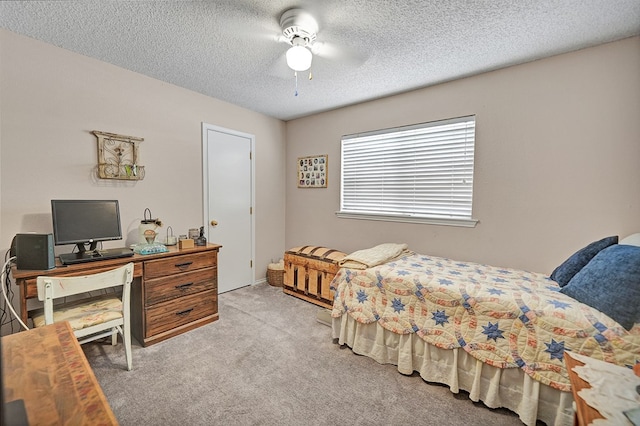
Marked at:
<point>557,161</point>
<point>50,101</point>
<point>558,142</point>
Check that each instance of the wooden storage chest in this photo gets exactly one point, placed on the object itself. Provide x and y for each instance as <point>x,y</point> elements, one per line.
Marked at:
<point>308,272</point>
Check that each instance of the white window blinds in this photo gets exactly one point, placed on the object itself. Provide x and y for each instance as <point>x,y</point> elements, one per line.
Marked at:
<point>423,171</point>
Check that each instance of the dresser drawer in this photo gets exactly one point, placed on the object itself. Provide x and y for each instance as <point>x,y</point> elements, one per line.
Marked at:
<point>31,288</point>
<point>174,313</point>
<point>165,288</point>
<point>178,264</point>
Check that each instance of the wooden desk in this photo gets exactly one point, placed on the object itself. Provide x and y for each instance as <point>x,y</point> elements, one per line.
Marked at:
<point>172,292</point>
<point>47,369</point>
<point>585,414</point>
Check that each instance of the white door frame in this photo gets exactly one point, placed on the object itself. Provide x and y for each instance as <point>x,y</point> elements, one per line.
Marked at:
<point>205,186</point>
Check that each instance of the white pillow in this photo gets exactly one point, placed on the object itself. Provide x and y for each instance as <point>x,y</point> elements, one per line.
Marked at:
<point>631,240</point>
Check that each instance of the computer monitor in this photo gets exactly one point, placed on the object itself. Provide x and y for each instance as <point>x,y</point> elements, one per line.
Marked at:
<point>85,222</point>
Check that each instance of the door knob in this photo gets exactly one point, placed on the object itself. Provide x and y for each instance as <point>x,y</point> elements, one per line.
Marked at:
<point>214,223</point>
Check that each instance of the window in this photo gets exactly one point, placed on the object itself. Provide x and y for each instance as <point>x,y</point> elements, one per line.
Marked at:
<point>421,173</point>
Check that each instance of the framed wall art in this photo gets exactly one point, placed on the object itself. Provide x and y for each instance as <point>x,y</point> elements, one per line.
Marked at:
<point>118,156</point>
<point>312,171</point>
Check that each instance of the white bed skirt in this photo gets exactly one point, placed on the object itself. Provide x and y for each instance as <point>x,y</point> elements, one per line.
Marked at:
<point>510,388</point>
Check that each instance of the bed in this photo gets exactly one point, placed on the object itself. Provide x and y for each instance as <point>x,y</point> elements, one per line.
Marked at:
<point>498,333</point>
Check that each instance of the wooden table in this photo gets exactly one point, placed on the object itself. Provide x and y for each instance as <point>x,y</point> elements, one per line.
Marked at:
<point>47,369</point>
<point>585,414</point>
<point>172,292</point>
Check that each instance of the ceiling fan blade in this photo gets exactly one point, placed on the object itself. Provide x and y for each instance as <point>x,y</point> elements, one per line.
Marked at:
<point>343,54</point>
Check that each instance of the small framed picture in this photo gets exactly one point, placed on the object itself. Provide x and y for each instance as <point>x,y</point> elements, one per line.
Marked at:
<point>312,171</point>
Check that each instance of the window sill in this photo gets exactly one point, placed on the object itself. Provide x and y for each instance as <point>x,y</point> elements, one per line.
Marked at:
<point>466,223</point>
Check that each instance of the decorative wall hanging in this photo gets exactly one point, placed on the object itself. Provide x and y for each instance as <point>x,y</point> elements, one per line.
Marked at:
<point>312,171</point>
<point>118,156</point>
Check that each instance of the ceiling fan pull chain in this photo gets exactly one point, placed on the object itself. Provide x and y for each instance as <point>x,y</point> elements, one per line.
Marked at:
<point>296,74</point>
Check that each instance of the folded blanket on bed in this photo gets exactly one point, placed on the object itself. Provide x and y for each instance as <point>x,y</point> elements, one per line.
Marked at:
<point>368,258</point>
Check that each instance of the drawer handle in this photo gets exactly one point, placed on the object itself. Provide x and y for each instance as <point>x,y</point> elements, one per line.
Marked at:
<point>183,286</point>
<point>183,265</point>
<point>185,312</point>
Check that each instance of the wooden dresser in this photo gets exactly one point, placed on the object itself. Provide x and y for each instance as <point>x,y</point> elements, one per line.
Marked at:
<point>172,292</point>
<point>177,293</point>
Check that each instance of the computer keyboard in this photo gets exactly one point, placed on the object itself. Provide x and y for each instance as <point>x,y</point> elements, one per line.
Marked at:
<point>115,252</point>
<point>91,256</point>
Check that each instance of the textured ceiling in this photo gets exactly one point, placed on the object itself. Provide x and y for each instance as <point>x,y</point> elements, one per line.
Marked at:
<point>229,49</point>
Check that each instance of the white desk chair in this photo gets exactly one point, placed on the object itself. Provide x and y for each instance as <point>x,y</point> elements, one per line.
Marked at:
<point>90,318</point>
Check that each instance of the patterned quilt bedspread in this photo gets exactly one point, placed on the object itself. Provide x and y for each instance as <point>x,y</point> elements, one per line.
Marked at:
<point>504,317</point>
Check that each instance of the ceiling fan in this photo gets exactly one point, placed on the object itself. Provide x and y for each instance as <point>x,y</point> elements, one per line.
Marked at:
<point>299,30</point>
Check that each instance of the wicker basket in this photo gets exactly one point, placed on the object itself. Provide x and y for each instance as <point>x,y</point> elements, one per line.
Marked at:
<point>275,274</point>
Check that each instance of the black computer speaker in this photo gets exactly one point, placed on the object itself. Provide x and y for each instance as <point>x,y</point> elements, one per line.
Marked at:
<point>34,251</point>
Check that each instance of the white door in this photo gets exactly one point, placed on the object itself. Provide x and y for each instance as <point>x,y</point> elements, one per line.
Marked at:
<point>228,200</point>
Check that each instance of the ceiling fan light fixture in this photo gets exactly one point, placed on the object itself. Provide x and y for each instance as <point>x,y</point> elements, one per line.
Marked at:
<point>299,28</point>
<point>299,58</point>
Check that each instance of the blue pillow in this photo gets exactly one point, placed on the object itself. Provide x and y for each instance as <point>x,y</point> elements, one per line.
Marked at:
<point>563,273</point>
<point>611,284</point>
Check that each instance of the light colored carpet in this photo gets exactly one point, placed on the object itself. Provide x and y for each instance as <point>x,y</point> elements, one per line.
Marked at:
<point>268,361</point>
